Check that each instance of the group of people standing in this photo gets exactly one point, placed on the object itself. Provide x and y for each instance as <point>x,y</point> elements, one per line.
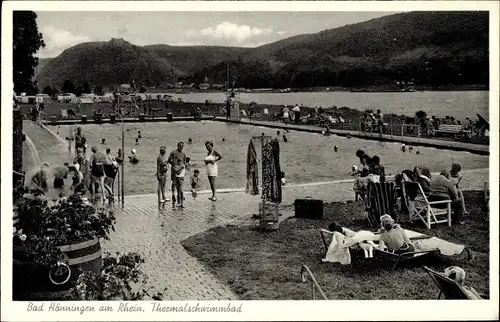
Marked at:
<point>291,116</point>
<point>93,175</point>
<point>178,163</point>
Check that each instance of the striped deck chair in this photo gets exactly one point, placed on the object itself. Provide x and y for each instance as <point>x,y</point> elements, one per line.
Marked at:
<point>451,289</point>
<point>430,212</point>
<point>380,200</point>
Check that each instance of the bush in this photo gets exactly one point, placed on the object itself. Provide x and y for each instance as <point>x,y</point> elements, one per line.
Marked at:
<point>40,228</point>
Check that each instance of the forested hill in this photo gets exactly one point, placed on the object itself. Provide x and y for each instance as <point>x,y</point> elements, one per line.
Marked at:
<point>118,61</point>
<point>433,48</point>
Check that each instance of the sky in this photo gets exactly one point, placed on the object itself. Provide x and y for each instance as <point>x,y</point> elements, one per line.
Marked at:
<point>62,30</point>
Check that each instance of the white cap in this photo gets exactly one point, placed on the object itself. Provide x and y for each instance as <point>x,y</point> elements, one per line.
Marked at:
<point>133,151</point>
<point>403,144</point>
<point>115,164</point>
<point>76,166</point>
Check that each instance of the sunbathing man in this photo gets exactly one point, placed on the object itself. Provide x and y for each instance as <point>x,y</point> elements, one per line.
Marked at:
<point>393,237</point>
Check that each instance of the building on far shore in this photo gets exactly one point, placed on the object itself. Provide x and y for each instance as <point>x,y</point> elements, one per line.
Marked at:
<point>218,87</point>
<point>205,85</point>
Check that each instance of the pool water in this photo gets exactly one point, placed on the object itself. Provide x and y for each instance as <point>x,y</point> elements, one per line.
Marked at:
<point>305,158</point>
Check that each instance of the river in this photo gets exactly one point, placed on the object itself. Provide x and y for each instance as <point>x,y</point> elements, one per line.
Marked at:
<point>454,103</point>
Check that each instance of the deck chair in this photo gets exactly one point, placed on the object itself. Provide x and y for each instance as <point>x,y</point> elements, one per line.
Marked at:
<point>64,114</point>
<point>405,257</point>
<point>380,200</point>
<point>395,259</point>
<point>430,212</point>
<point>451,289</point>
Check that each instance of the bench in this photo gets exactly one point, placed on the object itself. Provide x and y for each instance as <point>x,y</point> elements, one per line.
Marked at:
<point>453,129</point>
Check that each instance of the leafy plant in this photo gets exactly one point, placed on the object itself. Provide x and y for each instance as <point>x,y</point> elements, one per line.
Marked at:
<point>119,275</point>
<point>41,228</point>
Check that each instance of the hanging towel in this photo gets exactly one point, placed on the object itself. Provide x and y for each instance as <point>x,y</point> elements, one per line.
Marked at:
<point>337,251</point>
<point>252,170</point>
<point>268,172</point>
<point>276,192</point>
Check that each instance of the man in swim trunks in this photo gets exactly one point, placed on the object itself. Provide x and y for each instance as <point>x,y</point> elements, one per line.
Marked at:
<point>97,161</point>
<point>177,160</point>
<point>161,174</point>
<point>80,140</point>
<point>60,173</point>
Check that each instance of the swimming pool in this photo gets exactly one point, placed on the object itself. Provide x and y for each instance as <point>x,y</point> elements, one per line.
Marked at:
<point>305,158</point>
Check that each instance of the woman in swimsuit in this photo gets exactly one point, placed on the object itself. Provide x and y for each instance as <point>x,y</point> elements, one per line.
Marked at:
<point>211,163</point>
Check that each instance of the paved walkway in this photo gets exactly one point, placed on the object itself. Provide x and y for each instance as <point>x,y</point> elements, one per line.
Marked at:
<point>156,233</point>
<point>446,144</point>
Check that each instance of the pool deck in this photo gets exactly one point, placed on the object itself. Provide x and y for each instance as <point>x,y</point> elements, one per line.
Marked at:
<point>415,141</point>
<point>156,233</point>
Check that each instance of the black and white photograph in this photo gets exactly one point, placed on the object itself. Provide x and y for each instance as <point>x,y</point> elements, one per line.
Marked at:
<point>202,159</point>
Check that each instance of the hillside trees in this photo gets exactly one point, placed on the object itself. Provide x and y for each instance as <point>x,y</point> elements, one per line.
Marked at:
<point>26,42</point>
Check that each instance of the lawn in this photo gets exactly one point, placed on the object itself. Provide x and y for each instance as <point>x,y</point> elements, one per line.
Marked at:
<point>266,266</point>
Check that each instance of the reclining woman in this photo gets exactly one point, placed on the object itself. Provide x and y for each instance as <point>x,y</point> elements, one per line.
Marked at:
<point>355,240</point>
<point>458,275</point>
<point>393,237</point>
<point>423,176</point>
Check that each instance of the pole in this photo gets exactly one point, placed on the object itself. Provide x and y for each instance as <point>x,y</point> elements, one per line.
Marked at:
<point>123,156</point>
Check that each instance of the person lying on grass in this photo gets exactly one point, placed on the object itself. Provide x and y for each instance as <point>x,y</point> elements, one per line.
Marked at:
<point>393,238</point>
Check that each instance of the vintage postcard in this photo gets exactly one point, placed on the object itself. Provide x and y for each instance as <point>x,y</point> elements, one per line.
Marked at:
<point>206,160</point>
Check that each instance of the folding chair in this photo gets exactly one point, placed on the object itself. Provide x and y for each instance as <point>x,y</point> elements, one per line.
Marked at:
<point>419,207</point>
<point>380,200</point>
<point>451,289</point>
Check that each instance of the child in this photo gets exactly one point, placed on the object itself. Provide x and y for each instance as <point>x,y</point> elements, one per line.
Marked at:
<point>283,180</point>
<point>77,180</point>
<point>188,164</point>
<point>179,171</point>
<point>195,182</point>
<point>455,178</point>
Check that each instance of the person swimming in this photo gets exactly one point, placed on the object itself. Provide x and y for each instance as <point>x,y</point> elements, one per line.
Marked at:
<point>285,139</point>
<point>190,141</point>
<point>139,136</point>
<point>403,147</point>
<point>136,140</point>
<point>335,148</point>
<point>103,141</point>
<point>133,157</point>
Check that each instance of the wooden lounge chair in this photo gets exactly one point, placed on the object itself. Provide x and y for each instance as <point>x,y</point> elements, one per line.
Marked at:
<point>430,212</point>
<point>451,289</point>
<point>380,200</point>
<point>404,257</point>
<point>395,258</point>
